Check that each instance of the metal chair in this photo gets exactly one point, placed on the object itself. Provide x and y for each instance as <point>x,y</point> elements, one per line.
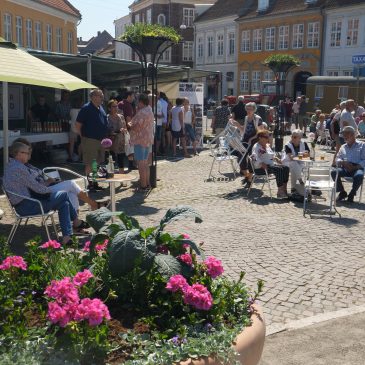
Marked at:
<point>19,218</point>
<point>221,153</point>
<point>328,139</point>
<point>350,180</point>
<point>319,179</point>
<point>234,141</point>
<point>260,174</point>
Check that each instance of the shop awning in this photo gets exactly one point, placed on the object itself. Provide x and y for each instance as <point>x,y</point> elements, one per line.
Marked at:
<point>335,80</point>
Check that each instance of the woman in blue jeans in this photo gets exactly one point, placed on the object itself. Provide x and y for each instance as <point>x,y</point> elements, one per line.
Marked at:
<point>19,179</point>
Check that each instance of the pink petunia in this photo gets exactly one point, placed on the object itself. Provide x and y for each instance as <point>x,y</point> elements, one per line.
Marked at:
<point>186,258</point>
<point>176,283</point>
<point>58,314</point>
<point>51,244</point>
<point>81,278</point>
<point>198,296</point>
<point>186,236</point>
<point>214,266</point>
<point>63,291</point>
<point>92,310</point>
<point>13,261</point>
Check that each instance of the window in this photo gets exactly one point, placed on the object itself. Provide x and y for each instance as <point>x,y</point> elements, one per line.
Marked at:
<point>38,35</point>
<point>7,28</point>
<point>136,18</point>
<point>161,19</point>
<point>283,37</point>
<point>343,92</point>
<point>166,56</point>
<point>231,44</point>
<point>269,76</point>
<point>245,41</point>
<point>333,73</point>
<point>244,81</point>
<point>352,32</point>
<point>19,30</point>
<point>188,16</point>
<point>348,73</point>
<point>298,35</point>
<point>220,45</point>
<point>262,5</point>
<point>29,33</point>
<point>270,39</point>
<point>200,47</point>
<point>257,40</point>
<point>230,76</point>
<point>49,38</point>
<point>70,47</point>
<point>188,51</point>
<point>149,16</point>
<point>58,40</point>
<point>210,46</point>
<point>335,34</point>
<point>313,35</point>
<point>256,81</point>
<point>319,92</point>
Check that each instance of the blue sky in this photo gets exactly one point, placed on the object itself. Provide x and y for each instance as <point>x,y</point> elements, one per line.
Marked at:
<point>99,15</point>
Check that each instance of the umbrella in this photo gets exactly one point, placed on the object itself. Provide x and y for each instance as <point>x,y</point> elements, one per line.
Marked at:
<point>18,66</point>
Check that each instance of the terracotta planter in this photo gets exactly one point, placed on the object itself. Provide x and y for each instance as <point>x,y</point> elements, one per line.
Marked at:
<point>249,343</point>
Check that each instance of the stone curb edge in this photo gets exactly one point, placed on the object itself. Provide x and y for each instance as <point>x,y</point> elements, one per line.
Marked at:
<point>305,322</point>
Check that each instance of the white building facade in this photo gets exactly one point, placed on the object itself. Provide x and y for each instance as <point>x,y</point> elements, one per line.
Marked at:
<point>344,37</point>
<point>122,51</point>
<point>216,50</point>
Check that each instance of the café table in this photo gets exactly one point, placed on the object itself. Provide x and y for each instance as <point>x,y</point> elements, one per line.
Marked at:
<point>117,178</point>
<point>308,162</point>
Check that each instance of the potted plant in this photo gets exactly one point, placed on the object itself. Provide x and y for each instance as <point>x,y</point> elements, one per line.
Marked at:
<point>281,62</point>
<point>149,37</point>
<point>133,296</point>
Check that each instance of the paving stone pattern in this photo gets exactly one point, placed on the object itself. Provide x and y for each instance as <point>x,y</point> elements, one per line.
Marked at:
<point>309,265</point>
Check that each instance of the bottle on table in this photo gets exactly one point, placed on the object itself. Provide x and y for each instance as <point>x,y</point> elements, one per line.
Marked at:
<point>110,166</point>
<point>94,169</point>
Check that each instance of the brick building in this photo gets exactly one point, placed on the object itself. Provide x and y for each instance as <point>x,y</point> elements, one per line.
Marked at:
<point>173,13</point>
<point>48,25</point>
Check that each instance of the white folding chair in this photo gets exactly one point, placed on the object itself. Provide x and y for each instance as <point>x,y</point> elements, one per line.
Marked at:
<point>319,179</point>
<point>260,174</point>
<point>44,216</point>
<point>235,142</point>
<point>221,152</point>
<point>328,139</point>
<point>54,172</point>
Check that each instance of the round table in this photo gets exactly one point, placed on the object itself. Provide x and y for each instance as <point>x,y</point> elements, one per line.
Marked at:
<point>117,178</point>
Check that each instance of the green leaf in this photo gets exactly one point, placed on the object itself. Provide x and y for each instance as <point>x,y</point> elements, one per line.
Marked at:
<point>148,232</point>
<point>128,221</point>
<point>195,247</point>
<point>98,218</point>
<point>167,265</point>
<point>181,211</point>
<point>126,249</point>
<point>113,229</point>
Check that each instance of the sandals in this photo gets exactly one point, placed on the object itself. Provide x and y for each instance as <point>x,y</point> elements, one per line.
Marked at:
<point>81,230</point>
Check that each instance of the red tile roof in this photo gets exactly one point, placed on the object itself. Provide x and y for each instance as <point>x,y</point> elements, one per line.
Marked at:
<point>62,5</point>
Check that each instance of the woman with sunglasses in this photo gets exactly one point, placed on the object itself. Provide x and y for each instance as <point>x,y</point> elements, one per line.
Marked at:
<point>291,150</point>
<point>263,158</point>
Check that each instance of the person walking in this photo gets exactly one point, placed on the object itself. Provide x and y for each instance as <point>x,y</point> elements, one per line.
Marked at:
<point>177,126</point>
<point>189,123</point>
<point>302,117</point>
<point>92,125</point>
<point>221,117</point>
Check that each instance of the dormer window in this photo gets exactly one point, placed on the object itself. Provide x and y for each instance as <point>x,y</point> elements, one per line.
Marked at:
<point>310,1</point>
<point>262,5</point>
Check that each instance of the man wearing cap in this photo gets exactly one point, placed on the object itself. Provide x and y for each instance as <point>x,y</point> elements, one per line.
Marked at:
<point>350,163</point>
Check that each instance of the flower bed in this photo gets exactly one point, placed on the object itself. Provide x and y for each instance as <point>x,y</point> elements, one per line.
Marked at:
<point>131,295</point>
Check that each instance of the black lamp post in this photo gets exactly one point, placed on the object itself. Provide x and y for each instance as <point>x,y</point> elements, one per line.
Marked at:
<point>154,47</point>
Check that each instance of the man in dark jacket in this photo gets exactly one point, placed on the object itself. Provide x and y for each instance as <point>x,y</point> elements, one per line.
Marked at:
<point>239,111</point>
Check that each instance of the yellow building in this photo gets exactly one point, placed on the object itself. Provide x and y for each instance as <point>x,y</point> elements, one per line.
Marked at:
<point>48,25</point>
<point>269,27</point>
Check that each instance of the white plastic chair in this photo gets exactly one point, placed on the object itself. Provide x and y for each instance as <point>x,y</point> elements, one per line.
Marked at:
<point>328,139</point>
<point>19,218</point>
<point>319,179</point>
<point>257,175</point>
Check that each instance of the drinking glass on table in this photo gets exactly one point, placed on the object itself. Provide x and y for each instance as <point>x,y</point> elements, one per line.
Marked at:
<point>300,155</point>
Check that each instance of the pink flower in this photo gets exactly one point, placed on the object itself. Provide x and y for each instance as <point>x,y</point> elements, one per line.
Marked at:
<point>102,246</point>
<point>81,278</point>
<point>86,247</point>
<point>213,266</point>
<point>186,258</point>
<point>176,283</point>
<point>186,236</point>
<point>64,291</point>
<point>162,249</point>
<point>13,261</point>
<point>58,314</point>
<point>106,143</point>
<point>51,244</point>
<point>198,296</point>
<point>92,310</point>
<point>186,246</point>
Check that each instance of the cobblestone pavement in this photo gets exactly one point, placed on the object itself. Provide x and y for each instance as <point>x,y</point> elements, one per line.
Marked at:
<point>309,266</point>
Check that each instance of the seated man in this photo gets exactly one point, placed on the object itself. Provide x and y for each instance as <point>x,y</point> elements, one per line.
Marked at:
<point>350,163</point>
<point>361,125</point>
<point>20,180</point>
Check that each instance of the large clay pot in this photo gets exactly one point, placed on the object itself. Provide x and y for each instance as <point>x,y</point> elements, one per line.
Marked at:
<point>249,343</point>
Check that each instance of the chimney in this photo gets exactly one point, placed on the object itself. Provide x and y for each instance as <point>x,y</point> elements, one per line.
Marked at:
<point>99,33</point>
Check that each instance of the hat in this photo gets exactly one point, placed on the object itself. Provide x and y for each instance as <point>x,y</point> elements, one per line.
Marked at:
<point>241,98</point>
<point>348,128</point>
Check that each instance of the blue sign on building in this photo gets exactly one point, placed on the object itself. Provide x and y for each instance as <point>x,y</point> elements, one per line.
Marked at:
<point>358,59</point>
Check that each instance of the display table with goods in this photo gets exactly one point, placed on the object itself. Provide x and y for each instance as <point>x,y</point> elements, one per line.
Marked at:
<point>131,295</point>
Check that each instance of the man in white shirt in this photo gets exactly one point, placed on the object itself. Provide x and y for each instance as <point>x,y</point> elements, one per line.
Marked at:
<point>296,107</point>
<point>164,105</point>
<point>160,120</point>
<point>347,119</point>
